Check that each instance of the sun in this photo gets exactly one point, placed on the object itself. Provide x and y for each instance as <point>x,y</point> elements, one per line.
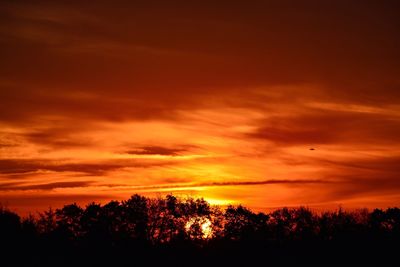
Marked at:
<point>200,224</point>
<point>206,228</point>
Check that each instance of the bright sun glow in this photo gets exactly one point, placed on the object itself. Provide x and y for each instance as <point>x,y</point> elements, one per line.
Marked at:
<point>199,223</point>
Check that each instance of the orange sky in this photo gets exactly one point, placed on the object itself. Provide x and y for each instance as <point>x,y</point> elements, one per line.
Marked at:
<point>219,99</point>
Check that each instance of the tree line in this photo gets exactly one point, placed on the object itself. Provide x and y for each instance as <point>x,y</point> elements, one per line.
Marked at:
<point>172,228</point>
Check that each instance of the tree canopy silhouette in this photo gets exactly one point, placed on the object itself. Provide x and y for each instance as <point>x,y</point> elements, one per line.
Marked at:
<point>142,228</point>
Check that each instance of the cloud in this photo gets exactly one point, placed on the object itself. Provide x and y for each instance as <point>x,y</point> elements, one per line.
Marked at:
<point>314,126</point>
<point>26,166</point>
<point>47,186</point>
<point>233,183</point>
<point>157,150</point>
<point>5,145</point>
<point>58,137</point>
<point>387,164</point>
<point>185,54</point>
<point>369,177</point>
<point>18,166</point>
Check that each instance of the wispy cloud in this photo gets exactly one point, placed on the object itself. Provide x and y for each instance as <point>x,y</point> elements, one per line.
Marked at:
<point>157,150</point>
<point>46,186</point>
<point>316,126</point>
<point>20,166</point>
<point>231,183</point>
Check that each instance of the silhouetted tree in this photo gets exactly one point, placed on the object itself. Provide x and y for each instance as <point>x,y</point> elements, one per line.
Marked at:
<point>135,217</point>
<point>47,221</point>
<point>68,221</point>
<point>10,230</point>
<point>171,227</point>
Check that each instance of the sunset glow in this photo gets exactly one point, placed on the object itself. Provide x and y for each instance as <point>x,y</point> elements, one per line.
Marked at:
<point>265,105</point>
<point>204,226</point>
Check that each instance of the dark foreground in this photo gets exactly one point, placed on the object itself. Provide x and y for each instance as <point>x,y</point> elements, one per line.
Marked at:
<point>157,232</point>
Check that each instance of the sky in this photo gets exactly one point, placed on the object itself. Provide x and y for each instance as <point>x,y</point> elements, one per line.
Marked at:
<point>261,103</point>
